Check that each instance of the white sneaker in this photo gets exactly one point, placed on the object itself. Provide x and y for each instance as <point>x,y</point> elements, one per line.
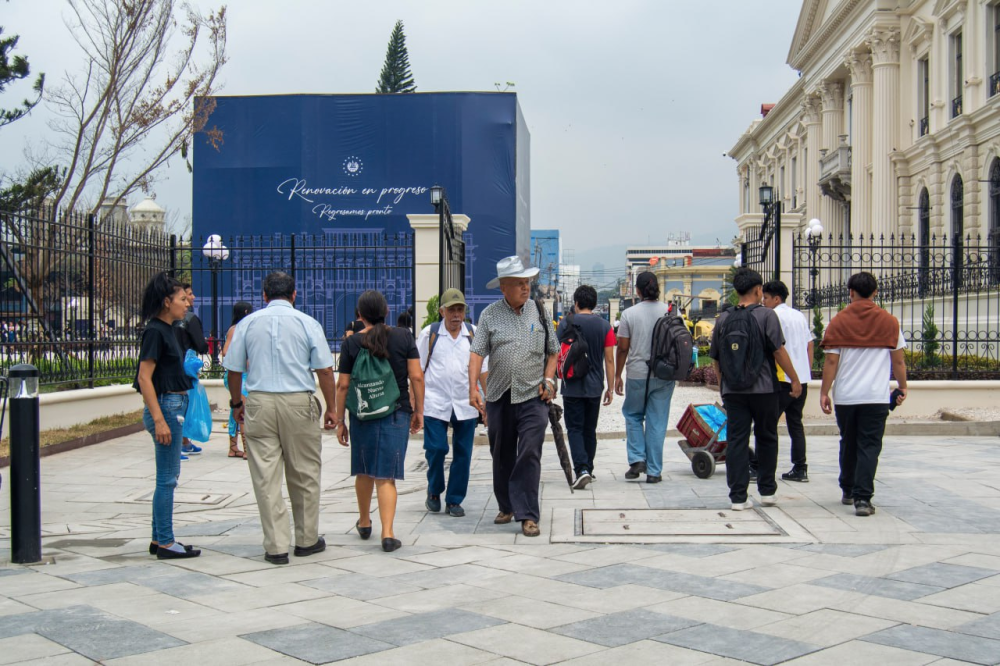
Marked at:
<point>743,505</point>
<point>769,500</point>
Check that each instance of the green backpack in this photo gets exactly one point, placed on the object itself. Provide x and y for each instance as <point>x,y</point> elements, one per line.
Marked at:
<point>373,392</point>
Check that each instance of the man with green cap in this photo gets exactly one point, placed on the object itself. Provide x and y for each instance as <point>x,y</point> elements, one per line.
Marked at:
<point>444,355</point>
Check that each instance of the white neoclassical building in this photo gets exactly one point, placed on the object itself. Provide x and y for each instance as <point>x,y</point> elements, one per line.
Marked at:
<point>893,126</point>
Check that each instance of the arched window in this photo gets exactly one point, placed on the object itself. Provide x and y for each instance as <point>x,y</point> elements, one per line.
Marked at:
<point>994,231</point>
<point>924,242</point>
<point>957,226</point>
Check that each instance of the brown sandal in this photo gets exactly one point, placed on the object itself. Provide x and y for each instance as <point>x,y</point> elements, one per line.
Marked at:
<point>234,449</point>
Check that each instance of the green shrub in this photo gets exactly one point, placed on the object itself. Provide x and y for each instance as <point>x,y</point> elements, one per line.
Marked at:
<point>433,313</point>
<point>929,337</point>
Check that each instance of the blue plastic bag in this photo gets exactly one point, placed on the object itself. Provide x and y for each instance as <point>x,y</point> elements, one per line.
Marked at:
<point>192,364</point>
<point>715,418</point>
<point>198,419</point>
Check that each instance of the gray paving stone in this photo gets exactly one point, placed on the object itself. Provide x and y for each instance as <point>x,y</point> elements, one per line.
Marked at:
<point>361,587</point>
<point>842,549</point>
<point>11,572</point>
<point>948,644</point>
<point>87,630</point>
<point>317,643</point>
<point>987,627</point>
<point>942,575</point>
<point>737,644</point>
<point>186,584</point>
<point>623,628</point>
<point>691,549</point>
<point>237,549</point>
<point>426,626</point>
<point>632,574</point>
<point>880,587</point>
<point>119,575</point>
<point>213,528</point>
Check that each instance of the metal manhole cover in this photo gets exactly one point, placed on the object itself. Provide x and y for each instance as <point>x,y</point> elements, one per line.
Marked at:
<point>188,497</point>
<point>678,522</point>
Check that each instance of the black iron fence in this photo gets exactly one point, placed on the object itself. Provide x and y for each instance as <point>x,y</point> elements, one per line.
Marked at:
<point>70,291</point>
<point>945,293</point>
<point>331,270</point>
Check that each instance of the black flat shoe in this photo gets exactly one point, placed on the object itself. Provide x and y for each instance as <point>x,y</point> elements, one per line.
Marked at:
<point>363,532</point>
<point>154,547</point>
<point>317,547</point>
<point>390,544</point>
<point>166,554</point>
<point>280,558</point>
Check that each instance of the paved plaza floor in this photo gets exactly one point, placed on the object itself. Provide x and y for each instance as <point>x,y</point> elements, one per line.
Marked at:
<point>917,583</point>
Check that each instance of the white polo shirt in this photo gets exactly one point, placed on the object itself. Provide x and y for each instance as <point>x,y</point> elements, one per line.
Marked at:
<point>446,380</point>
<point>795,328</point>
<point>863,375</point>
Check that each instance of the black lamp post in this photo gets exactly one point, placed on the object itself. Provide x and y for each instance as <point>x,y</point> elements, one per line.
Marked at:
<point>814,235</point>
<point>440,200</point>
<point>771,204</point>
<point>216,253</point>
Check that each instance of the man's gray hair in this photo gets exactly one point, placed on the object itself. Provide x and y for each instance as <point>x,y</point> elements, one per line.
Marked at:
<point>279,285</point>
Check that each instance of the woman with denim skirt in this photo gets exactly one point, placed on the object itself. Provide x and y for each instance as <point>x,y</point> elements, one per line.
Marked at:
<point>161,380</point>
<point>378,447</point>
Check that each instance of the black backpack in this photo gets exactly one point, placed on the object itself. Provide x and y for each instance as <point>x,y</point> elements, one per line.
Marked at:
<point>672,349</point>
<point>574,358</point>
<point>741,348</point>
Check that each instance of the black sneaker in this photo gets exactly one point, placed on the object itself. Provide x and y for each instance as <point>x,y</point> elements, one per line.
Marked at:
<point>635,469</point>
<point>280,558</point>
<point>455,510</point>
<point>433,503</point>
<point>846,499</point>
<point>653,479</point>
<point>799,475</point>
<point>863,508</point>
<point>753,473</point>
<point>582,481</point>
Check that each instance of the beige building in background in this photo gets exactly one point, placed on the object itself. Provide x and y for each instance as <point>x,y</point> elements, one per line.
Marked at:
<point>892,128</point>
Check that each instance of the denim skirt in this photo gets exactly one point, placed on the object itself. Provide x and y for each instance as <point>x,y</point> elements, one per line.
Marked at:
<point>378,448</point>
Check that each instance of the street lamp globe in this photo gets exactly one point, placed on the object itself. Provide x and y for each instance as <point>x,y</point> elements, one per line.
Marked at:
<point>766,195</point>
<point>814,223</point>
<point>817,230</point>
<point>437,194</point>
<point>214,249</point>
<point>738,262</point>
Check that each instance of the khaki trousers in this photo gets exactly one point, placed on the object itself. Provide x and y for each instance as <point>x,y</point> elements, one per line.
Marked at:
<point>283,436</point>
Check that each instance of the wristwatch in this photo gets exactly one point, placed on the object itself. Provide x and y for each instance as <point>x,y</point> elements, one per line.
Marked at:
<point>235,405</point>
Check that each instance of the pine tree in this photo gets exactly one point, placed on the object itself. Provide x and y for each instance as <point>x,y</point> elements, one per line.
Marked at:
<point>929,337</point>
<point>818,338</point>
<point>13,68</point>
<point>396,76</point>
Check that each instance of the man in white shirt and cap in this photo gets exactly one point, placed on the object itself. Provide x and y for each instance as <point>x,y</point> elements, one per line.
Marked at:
<point>444,356</point>
<point>519,339</point>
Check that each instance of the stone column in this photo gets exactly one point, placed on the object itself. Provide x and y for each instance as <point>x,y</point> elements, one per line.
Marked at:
<point>832,96</point>
<point>810,179</point>
<point>860,65</point>
<point>884,43</point>
<point>427,256</point>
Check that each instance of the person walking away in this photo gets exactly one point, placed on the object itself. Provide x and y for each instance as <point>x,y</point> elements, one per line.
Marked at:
<point>378,440</point>
<point>799,345</point>
<point>647,403</point>
<point>279,349</point>
<point>444,348</point>
<point>582,395</point>
<point>520,341</point>
<point>191,335</point>
<point>747,347</point>
<point>863,345</point>
<point>240,310</point>
<point>161,380</point>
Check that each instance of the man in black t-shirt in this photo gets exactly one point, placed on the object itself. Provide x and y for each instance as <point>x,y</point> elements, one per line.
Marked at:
<point>582,397</point>
<point>190,335</point>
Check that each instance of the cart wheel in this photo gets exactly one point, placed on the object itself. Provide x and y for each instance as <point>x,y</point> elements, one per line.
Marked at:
<point>702,464</point>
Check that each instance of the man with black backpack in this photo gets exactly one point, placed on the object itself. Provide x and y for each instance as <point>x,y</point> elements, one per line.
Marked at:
<point>747,342</point>
<point>586,357</point>
<point>647,399</point>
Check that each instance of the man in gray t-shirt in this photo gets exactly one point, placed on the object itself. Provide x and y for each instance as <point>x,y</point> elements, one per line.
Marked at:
<point>646,407</point>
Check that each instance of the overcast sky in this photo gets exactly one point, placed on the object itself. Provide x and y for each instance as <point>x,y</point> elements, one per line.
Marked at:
<point>631,104</point>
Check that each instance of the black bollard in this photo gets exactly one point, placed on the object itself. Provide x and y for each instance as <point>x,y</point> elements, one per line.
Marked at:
<point>25,488</point>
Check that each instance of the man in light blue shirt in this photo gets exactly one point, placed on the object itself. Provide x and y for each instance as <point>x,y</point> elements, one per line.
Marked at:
<point>279,348</point>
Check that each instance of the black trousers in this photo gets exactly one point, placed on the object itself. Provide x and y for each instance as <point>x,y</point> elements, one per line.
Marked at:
<point>516,433</point>
<point>861,431</point>
<point>581,426</point>
<point>759,412</point>
<point>792,409</point>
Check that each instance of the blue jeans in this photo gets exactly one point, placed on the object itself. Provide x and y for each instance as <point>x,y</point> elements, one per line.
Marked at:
<point>436,448</point>
<point>168,464</point>
<point>646,421</point>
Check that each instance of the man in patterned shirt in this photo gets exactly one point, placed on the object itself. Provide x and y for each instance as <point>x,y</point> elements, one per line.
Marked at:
<point>521,343</point>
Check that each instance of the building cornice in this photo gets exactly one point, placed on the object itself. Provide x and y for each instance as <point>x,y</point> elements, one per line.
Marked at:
<point>780,117</point>
<point>818,39</point>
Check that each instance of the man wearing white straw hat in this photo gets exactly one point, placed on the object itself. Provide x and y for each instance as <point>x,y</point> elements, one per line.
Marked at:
<point>521,344</point>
